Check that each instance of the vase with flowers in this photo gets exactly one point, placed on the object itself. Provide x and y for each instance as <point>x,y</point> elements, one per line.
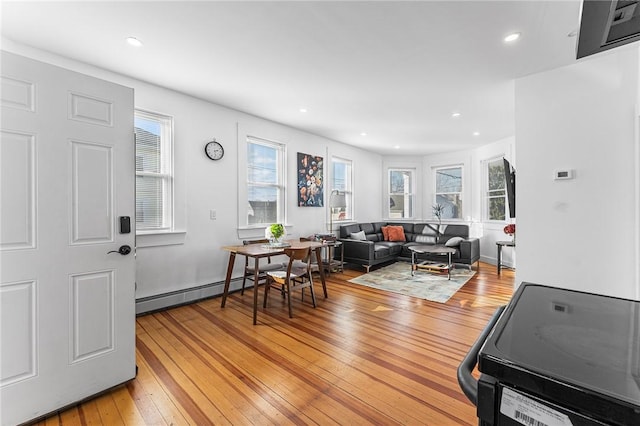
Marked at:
<point>275,233</point>
<point>510,229</point>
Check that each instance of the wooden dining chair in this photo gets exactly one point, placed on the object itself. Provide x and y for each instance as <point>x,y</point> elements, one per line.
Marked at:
<point>263,268</point>
<point>295,277</point>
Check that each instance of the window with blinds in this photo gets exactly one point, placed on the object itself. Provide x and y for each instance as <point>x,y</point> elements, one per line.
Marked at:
<point>153,171</point>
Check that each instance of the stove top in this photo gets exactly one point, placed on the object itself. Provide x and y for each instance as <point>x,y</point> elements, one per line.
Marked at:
<point>563,344</point>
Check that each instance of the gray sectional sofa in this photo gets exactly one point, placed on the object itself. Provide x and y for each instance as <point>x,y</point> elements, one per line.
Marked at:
<point>373,249</point>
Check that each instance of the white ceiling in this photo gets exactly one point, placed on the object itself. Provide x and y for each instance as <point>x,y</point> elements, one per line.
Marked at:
<point>395,70</point>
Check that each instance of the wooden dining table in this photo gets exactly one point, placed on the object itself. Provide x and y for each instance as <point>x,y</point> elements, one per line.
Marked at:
<point>261,250</point>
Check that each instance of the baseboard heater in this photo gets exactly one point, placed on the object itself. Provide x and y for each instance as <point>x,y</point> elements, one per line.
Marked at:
<point>146,305</point>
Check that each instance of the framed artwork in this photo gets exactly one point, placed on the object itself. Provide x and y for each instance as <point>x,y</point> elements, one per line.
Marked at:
<point>310,181</point>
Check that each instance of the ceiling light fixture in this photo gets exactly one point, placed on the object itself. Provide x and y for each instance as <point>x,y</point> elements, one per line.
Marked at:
<point>303,110</point>
<point>476,133</point>
<point>363,134</point>
<point>455,115</point>
<point>512,37</point>
<point>397,147</point>
<point>134,42</point>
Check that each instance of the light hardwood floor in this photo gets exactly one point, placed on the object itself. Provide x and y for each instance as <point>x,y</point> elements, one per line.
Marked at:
<point>362,357</point>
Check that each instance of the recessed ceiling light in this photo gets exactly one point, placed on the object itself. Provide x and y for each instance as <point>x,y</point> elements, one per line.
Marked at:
<point>303,110</point>
<point>512,37</point>
<point>455,115</point>
<point>134,42</point>
<point>397,147</point>
<point>363,134</point>
<point>476,133</point>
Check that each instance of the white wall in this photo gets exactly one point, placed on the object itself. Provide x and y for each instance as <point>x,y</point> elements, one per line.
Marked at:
<point>192,256</point>
<point>580,233</point>
<point>472,160</point>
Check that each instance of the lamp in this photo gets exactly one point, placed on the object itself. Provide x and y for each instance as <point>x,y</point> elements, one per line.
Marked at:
<point>337,199</point>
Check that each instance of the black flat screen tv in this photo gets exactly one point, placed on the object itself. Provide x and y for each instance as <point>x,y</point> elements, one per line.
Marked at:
<point>510,177</point>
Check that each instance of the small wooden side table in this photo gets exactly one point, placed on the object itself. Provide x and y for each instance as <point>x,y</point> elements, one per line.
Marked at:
<point>501,244</point>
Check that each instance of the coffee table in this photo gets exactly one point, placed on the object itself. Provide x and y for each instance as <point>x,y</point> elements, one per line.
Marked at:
<point>432,266</point>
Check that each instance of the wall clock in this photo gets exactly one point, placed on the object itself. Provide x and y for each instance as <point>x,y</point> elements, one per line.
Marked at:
<point>214,150</point>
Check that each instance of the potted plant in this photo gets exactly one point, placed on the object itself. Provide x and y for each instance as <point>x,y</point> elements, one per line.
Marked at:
<point>275,232</point>
<point>438,209</point>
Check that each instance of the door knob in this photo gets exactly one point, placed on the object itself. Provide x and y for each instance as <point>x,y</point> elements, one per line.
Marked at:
<point>123,250</point>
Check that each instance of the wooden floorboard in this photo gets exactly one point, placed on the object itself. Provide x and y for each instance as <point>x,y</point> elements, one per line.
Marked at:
<point>363,356</point>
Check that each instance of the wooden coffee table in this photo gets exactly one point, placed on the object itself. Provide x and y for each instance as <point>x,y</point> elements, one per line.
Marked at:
<point>428,265</point>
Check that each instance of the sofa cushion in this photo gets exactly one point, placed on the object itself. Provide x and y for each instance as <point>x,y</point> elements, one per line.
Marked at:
<point>358,236</point>
<point>367,228</point>
<point>425,239</point>
<point>396,233</point>
<point>385,232</point>
<point>380,251</point>
<point>454,241</point>
<point>346,230</point>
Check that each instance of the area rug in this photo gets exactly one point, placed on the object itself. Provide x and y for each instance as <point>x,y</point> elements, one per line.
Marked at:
<point>424,285</point>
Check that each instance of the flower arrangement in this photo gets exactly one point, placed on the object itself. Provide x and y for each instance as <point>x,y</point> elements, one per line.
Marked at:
<point>510,229</point>
<point>274,231</point>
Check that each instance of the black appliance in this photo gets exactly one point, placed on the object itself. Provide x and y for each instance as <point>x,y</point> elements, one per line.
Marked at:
<point>557,357</point>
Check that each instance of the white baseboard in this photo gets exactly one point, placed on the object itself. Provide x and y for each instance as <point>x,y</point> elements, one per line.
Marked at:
<point>494,261</point>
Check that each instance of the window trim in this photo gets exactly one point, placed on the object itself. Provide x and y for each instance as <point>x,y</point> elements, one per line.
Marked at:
<point>485,192</point>
<point>462,189</point>
<point>413,194</point>
<point>166,170</point>
<point>281,184</point>
<point>348,193</point>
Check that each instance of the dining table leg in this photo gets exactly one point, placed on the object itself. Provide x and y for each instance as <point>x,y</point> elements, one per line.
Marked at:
<point>318,251</point>
<point>256,272</point>
<point>227,281</point>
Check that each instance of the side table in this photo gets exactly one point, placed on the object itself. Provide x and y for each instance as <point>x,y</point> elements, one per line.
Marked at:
<point>331,263</point>
<point>501,244</point>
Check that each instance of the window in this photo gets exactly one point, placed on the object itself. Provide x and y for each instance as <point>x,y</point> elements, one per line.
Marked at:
<point>495,190</point>
<point>265,182</point>
<point>401,193</point>
<point>341,181</point>
<point>154,171</point>
<point>449,191</point>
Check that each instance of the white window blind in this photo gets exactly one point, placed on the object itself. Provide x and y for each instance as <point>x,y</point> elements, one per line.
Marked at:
<point>153,171</point>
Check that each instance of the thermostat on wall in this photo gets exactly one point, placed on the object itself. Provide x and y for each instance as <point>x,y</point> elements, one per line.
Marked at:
<point>563,174</point>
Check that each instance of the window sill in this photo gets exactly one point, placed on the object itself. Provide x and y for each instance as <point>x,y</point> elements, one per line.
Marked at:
<point>156,239</point>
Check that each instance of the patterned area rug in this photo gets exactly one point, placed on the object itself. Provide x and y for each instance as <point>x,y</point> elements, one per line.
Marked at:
<point>425,285</point>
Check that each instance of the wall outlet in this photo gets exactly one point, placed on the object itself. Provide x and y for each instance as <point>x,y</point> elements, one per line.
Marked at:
<point>212,214</point>
<point>563,174</point>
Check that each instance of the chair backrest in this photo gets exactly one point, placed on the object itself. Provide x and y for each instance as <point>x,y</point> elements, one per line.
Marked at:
<point>300,254</point>
<point>297,253</point>
<point>261,241</point>
<point>248,242</point>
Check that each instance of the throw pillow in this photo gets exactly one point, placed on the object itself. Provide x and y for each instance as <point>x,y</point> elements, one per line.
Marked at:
<point>396,233</point>
<point>358,236</point>
<point>454,241</point>
<point>385,233</point>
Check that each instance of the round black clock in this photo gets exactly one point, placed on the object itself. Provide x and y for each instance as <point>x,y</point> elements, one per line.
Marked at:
<point>214,150</point>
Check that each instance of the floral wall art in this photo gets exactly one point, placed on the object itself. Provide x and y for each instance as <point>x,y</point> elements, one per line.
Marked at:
<point>310,181</point>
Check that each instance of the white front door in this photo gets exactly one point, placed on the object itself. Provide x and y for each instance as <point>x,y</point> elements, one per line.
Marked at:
<point>66,177</point>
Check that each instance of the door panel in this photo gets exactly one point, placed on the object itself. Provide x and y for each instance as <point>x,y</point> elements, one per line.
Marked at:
<point>68,316</point>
